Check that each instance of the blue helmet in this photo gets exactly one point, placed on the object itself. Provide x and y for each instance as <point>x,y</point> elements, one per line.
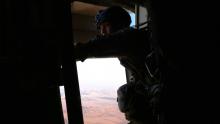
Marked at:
<point>115,15</point>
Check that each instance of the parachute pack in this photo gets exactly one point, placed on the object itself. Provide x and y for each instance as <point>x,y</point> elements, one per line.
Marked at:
<point>139,101</point>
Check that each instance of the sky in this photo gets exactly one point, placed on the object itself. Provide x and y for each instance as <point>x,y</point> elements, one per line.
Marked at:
<point>105,73</point>
<point>132,19</point>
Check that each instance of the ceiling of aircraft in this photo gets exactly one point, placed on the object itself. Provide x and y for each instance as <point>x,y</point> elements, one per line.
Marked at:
<point>85,8</point>
<point>91,7</point>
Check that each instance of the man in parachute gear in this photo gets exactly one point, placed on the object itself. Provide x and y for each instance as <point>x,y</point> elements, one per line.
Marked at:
<point>138,98</point>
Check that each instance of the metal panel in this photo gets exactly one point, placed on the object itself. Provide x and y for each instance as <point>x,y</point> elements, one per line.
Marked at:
<point>34,33</point>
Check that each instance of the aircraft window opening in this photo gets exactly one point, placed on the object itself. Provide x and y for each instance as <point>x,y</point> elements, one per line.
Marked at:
<point>63,100</point>
<point>99,80</point>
